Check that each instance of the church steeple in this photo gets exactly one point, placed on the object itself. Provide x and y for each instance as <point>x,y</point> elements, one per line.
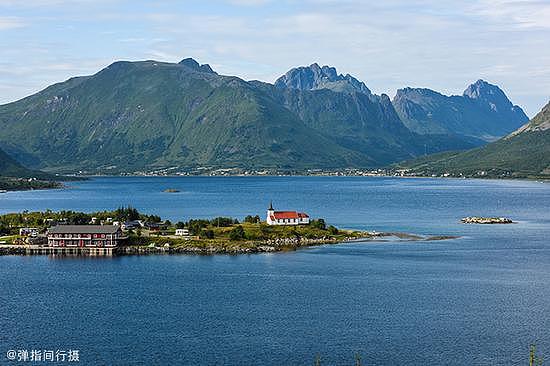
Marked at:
<point>270,212</point>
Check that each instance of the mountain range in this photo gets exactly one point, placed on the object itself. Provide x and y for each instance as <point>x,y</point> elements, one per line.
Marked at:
<point>482,112</point>
<point>525,153</point>
<point>147,115</point>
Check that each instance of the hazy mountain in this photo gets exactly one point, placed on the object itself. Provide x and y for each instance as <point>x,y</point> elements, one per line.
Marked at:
<point>482,112</point>
<point>365,123</point>
<point>524,153</point>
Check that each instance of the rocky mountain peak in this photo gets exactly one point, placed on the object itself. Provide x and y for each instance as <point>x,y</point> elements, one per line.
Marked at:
<point>315,77</point>
<point>192,64</point>
<point>485,92</point>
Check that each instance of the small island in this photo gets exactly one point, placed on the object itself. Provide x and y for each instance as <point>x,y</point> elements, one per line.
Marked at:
<point>486,220</point>
<point>171,190</point>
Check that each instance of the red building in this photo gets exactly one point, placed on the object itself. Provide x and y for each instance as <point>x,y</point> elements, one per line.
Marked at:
<point>85,236</point>
<point>286,217</point>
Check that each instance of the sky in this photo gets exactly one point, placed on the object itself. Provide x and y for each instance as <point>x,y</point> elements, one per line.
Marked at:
<point>389,44</point>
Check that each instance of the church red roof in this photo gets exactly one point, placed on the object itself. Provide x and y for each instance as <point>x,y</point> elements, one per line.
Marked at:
<point>278,215</point>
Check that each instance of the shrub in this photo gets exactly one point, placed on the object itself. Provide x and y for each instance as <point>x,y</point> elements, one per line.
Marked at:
<point>207,233</point>
<point>318,224</point>
<point>237,233</point>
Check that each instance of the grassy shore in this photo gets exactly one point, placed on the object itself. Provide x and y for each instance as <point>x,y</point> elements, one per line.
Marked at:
<point>243,238</point>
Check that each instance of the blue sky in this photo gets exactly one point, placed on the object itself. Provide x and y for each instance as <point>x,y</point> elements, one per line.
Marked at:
<point>390,44</point>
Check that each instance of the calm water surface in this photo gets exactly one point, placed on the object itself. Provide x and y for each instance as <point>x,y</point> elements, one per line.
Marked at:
<point>478,300</point>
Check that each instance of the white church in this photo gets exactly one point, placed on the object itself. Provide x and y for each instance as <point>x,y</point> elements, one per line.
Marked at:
<point>286,217</point>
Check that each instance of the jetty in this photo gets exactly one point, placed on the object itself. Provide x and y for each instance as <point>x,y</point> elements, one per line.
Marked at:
<point>29,249</point>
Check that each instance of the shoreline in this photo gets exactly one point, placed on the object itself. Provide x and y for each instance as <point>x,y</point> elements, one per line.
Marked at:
<point>63,184</point>
<point>278,245</point>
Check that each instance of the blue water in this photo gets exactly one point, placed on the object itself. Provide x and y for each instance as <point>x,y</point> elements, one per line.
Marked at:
<point>478,300</point>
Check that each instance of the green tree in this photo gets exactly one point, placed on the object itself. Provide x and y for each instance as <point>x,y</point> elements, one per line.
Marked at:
<point>252,219</point>
<point>223,221</point>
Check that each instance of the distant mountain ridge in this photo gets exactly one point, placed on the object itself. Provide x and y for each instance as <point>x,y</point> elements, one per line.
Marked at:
<point>523,154</point>
<point>483,112</point>
<point>149,115</point>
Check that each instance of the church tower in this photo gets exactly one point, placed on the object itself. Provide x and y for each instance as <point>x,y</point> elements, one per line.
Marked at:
<point>270,212</point>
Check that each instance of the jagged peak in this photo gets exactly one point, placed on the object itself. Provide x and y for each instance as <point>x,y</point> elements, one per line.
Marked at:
<point>315,77</point>
<point>193,64</point>
<point>490,94</point>
<point>482,89</point>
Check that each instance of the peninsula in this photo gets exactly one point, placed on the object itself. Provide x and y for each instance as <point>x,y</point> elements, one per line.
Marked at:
<point>125,231</point>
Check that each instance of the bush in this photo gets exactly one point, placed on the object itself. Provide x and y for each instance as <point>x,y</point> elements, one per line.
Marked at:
<point>332,230</point>
<point>207,233</point>
<point>237,233</point>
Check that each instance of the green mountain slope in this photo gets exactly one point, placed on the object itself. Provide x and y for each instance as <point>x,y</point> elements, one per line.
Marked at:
<point>148,115</point>
<point>523,154</point>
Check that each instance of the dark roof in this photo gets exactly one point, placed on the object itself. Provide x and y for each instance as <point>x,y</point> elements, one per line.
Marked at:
<point>83,229</point>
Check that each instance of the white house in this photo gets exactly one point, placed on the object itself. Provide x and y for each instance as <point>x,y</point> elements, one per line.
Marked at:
<point>286,217</point>
<point>28,231</point>
<point>182,232</point>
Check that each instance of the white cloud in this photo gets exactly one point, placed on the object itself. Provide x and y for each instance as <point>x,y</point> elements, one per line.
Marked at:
<point>524,14</point>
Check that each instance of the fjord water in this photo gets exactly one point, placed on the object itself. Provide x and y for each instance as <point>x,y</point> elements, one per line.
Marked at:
<point>481,299</point>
